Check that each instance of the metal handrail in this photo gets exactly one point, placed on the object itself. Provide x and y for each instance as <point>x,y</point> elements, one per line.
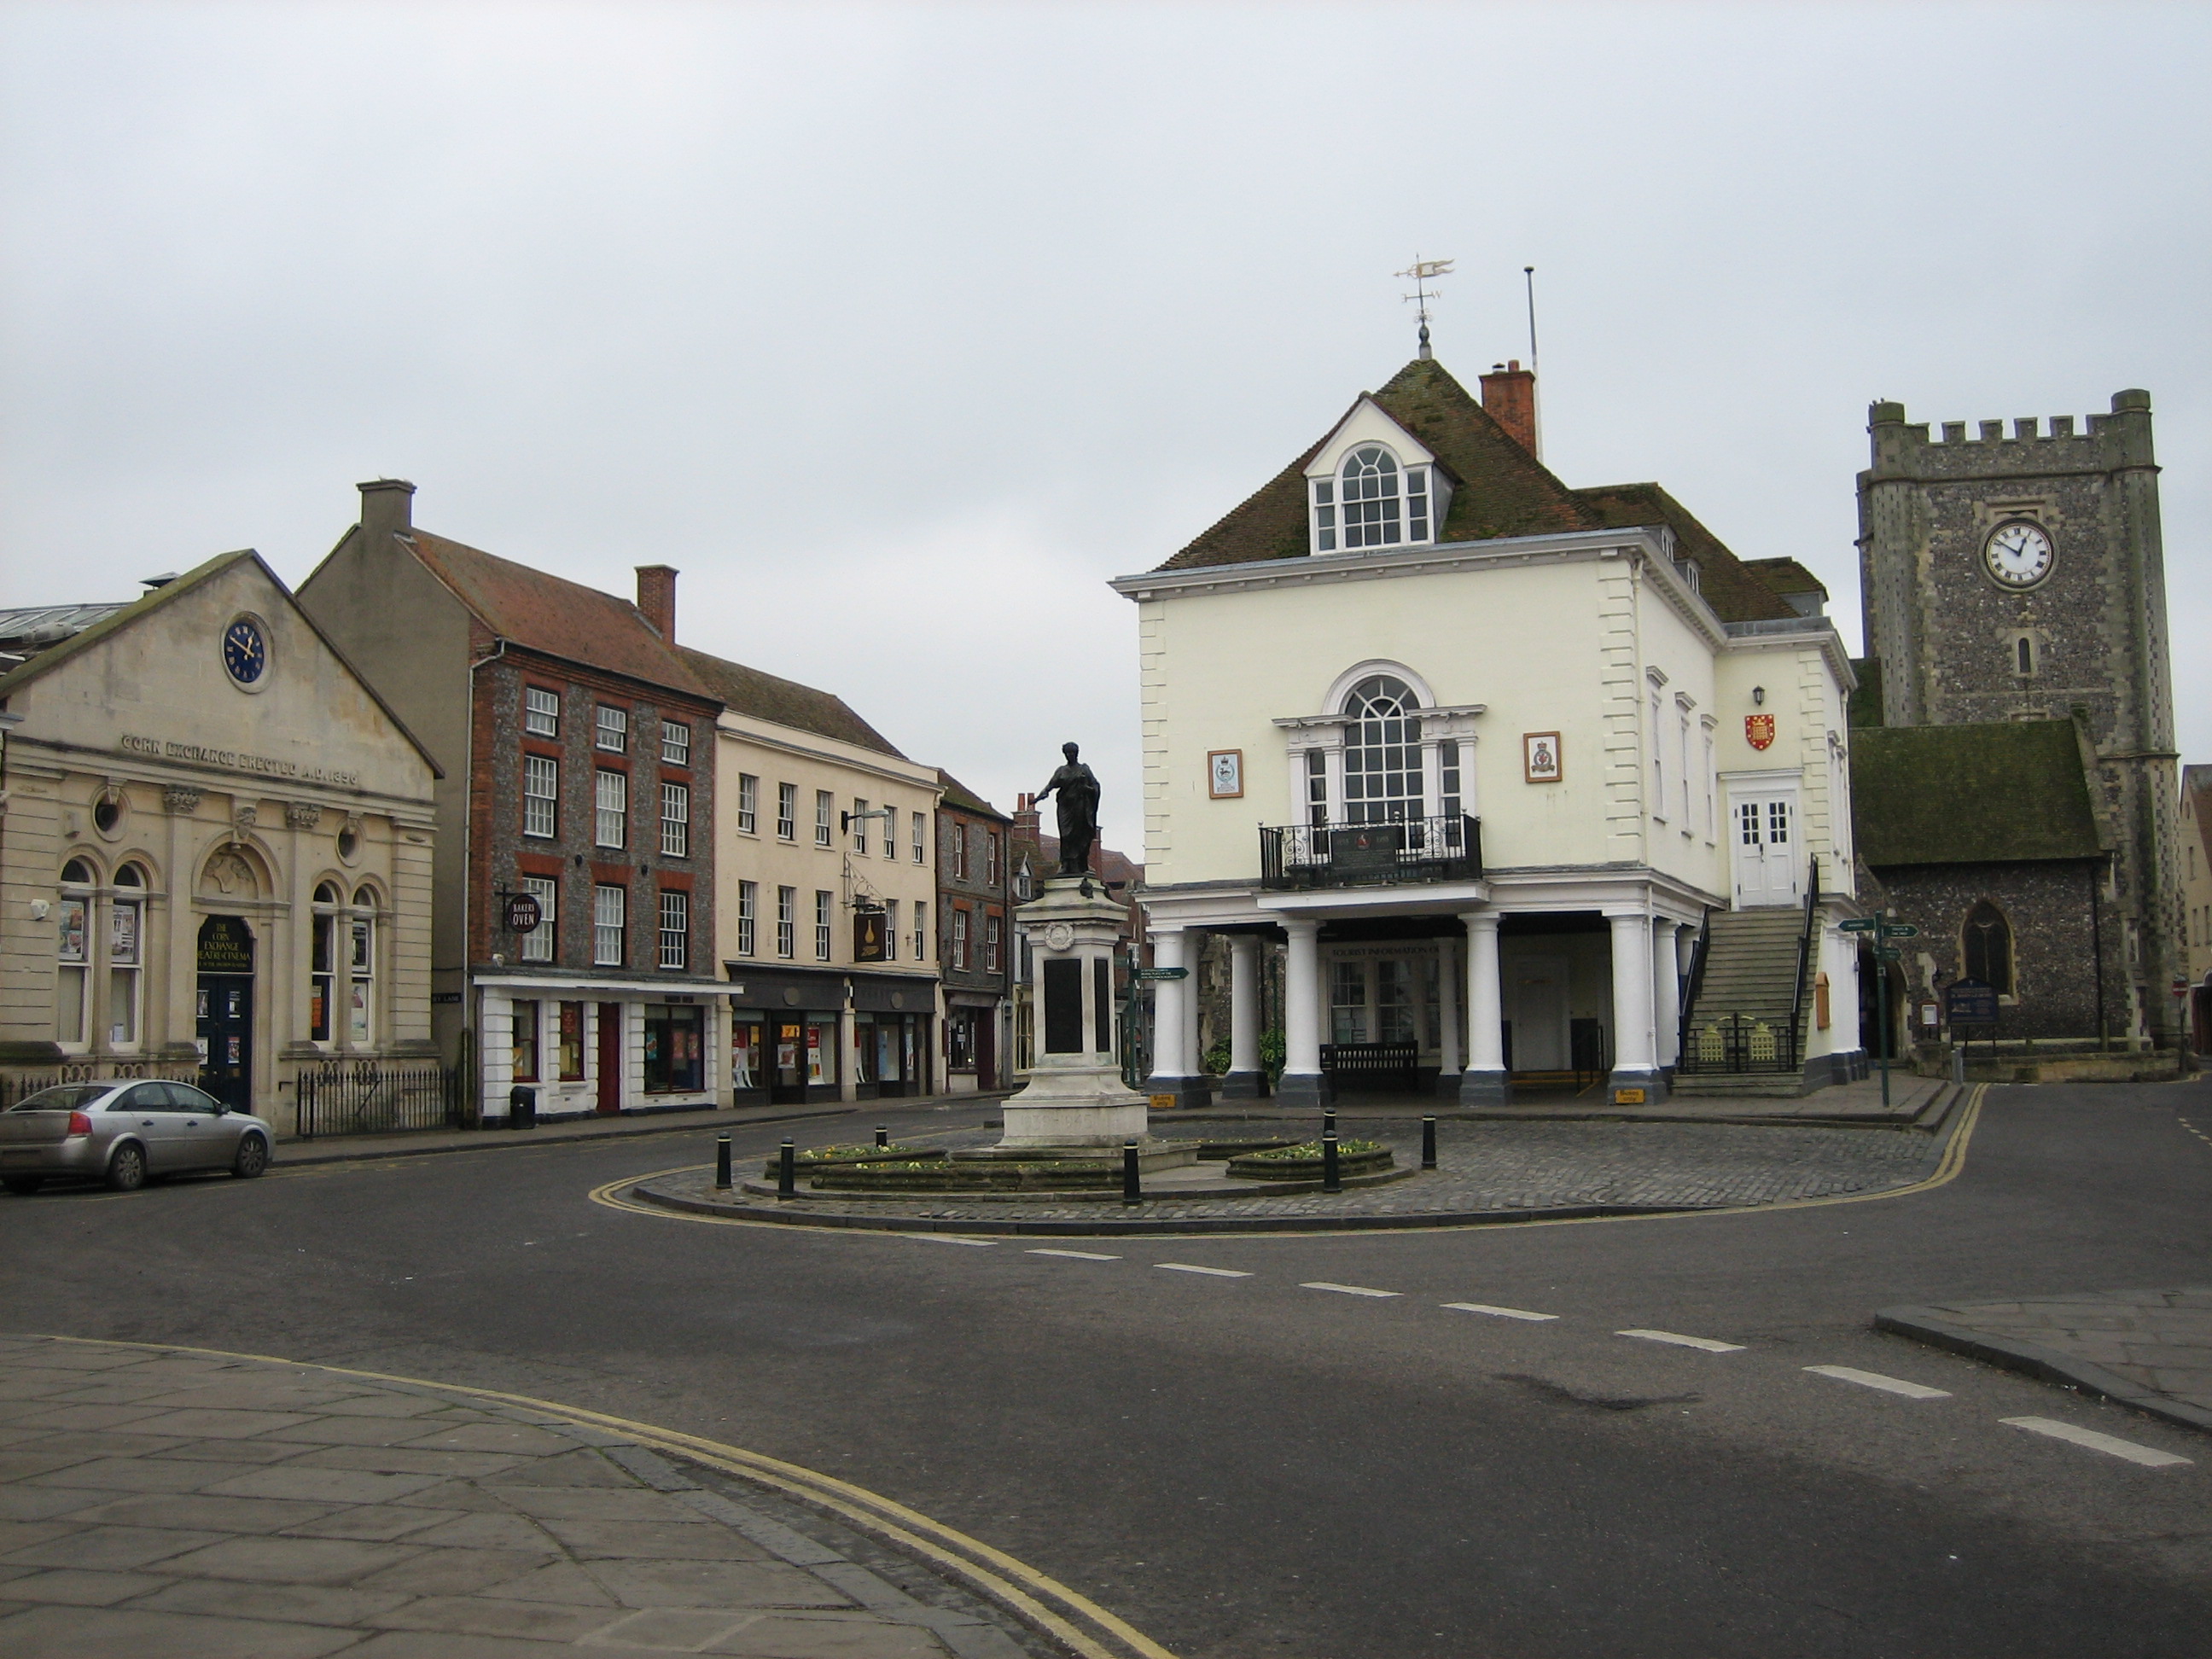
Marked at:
<point>1695,988</point>
<point>1804,955</point>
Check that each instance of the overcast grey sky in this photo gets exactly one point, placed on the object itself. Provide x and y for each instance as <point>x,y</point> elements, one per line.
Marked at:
<point>899,328</point>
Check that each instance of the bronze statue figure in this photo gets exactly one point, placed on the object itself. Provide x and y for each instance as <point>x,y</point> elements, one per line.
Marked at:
<point>1078,789</point>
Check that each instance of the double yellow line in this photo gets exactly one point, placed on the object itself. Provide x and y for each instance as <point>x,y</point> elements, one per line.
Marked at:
<point>1084,1626</point>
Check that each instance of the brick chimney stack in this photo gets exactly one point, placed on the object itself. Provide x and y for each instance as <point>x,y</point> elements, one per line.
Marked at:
<point>1025,819</point>
<point>387,508</point>
<point>1509,393</point>
<point>656,596</point>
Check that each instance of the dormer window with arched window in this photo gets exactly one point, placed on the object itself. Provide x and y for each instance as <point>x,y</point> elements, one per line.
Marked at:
<point>1371,501</point>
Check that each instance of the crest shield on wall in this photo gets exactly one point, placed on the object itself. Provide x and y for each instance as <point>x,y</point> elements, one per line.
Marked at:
<point>1759,731</point>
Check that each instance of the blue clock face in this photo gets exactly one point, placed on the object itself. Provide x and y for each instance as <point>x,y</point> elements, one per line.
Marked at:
<point>243,652</point>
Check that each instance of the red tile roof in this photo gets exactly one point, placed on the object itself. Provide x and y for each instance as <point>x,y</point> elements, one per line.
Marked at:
<point>557,617</point>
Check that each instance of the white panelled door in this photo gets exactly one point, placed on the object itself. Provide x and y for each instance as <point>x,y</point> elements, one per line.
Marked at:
<point>1763,836</point>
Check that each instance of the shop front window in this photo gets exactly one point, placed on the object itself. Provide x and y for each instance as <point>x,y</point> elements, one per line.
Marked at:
<point>526,1043</point>
<point>572,1042</point>
<point>1347,1002</point>
<point>747,1036</point>
<point>675,1048</point>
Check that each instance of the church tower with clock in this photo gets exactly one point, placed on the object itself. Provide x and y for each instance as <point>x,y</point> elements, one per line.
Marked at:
<point>2016,577</point>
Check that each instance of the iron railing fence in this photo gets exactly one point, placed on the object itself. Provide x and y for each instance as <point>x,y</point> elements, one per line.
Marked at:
<point>370,1096</point>
<point>16,1086</point>
<point>1301,855</point>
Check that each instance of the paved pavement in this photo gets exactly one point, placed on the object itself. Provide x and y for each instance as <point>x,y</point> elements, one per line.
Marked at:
<point>348,1149</point>
<point>1485,1169</point>
<point>2148,1349</point>
<point>177,1503</point>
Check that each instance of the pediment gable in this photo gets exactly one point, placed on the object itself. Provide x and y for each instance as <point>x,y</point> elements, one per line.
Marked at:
<point>1367,423</point>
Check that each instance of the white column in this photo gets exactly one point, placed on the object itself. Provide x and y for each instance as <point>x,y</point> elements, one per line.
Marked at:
<point>1171,1025</point>
<point>1635,1059</point>
<point>1484,1081</point>
<point>849,1048</point>
<point>1302,1083</point>
<point>1667,990</point>
<point>1193,1049</point>
<point>1448,1062</point>
<point>1245,1080</point>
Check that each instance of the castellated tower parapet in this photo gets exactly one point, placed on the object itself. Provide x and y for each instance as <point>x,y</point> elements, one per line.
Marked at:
<point>2020,575</point>
<point>1945,627</point>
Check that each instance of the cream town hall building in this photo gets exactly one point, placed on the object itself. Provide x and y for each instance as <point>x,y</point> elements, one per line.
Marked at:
<point>1515,773</point>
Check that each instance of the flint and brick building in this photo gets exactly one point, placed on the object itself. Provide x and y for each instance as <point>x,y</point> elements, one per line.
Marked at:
<point>579,754</point>
<point>975,939</point>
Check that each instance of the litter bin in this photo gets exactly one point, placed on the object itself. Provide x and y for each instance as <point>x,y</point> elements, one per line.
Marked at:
<point>521,1108</point>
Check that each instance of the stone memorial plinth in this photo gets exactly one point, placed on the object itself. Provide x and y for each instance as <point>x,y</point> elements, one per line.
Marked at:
<point>1075,1099</point>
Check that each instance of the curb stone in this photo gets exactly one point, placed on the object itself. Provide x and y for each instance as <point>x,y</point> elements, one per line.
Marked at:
<point>1928,1325</point>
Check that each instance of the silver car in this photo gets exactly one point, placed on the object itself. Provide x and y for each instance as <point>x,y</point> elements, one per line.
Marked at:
<point>123,1131</point>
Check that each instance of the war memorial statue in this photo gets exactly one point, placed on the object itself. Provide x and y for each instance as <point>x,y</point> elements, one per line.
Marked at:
<point>1077,786</point>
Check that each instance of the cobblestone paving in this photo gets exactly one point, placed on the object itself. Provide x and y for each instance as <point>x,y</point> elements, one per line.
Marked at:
<point>1488,1167</point>
<point>2161,1340</point>
<point>161,1503</point>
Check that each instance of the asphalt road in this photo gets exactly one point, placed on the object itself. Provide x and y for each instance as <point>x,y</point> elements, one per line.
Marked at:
<point>1249,1466</point>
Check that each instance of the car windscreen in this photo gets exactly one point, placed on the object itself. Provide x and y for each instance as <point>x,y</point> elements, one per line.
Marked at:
<point>63,1098</point>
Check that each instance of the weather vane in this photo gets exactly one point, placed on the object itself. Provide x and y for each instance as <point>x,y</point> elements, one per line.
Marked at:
<point>1422,273</point>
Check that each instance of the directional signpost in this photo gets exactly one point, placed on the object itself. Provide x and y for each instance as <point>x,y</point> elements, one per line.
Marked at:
<point>1883,930</point>
<point>1133,1062</point>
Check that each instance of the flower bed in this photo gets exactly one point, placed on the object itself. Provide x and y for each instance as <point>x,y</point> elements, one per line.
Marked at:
<point>822,1157</point>
<point>940,1177</point>
<point>1303,1161</point>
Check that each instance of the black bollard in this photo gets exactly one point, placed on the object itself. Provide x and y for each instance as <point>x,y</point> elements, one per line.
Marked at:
<point>786,1172</point>
<point>722,1164</point>
<point>1133,1174</point>
<point>882,1136</point>
<point>1332,1180</point>
<point>1328,1119</point>
<point>1428,1140</point>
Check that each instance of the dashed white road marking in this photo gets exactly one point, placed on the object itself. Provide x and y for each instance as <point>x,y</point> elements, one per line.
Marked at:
<point>951,1238</point>
<point>1876,1380</point>
<point>1078,1256</point>
<point>2149,1456</point>
<point>1216,1273</point>
<point>1681,1341</point>
<point>1342,1290</point>
<point>1497,1313</point>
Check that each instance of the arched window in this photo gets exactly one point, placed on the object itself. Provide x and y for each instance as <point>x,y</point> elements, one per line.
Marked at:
<point>361,1027</point>
<point>73,975</point>
<point>1987,947</point>
<point>126,955</point>
<point>1369,489</point>
<point>2024,653</point>
<point>1382,752</point>
<point>322,962</point>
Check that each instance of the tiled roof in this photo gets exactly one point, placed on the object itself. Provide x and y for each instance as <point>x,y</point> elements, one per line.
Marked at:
<point>1734,593</point>
<point>1786,576</point>
<point>1994,794</point>
<point>786,703</point>
<point>33,628</point>
<point>958,795</point>
<point>1499,489</point>
<point>562,618</point>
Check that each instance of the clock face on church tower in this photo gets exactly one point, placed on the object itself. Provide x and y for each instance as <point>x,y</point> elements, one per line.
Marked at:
<point>2019,554</point>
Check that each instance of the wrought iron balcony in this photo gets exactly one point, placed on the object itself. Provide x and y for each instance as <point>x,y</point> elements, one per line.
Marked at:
<point>1299,855</point>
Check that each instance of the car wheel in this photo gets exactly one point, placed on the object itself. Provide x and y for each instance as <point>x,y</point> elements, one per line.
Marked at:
<point>126,1170</point>
<point>25,1185</point>
<point>252,1157</point>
